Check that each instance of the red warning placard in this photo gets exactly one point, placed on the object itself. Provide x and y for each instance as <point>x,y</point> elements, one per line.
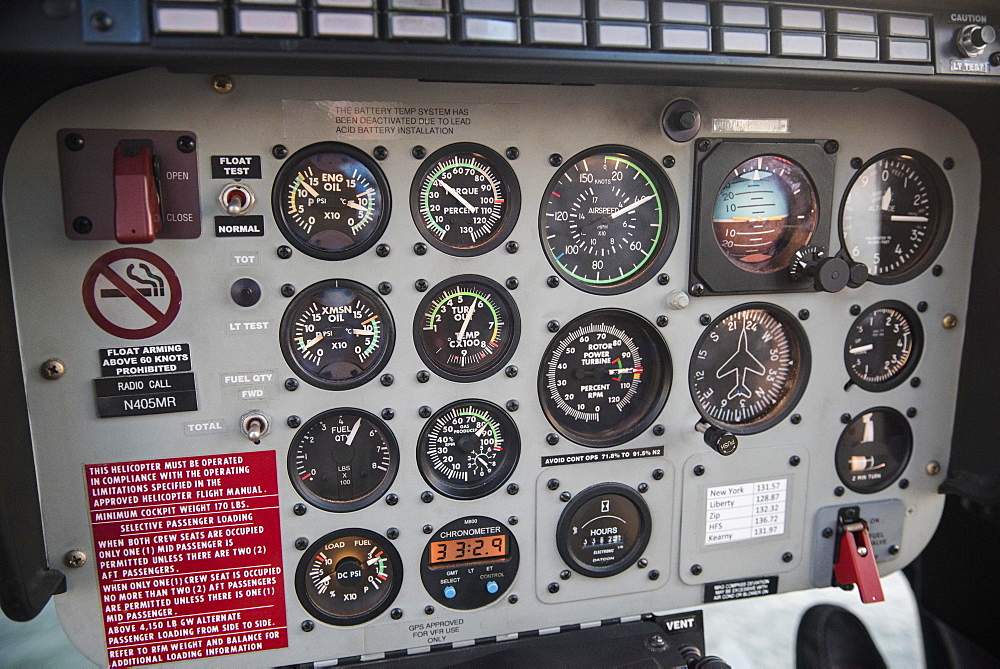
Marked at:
<point>132,293</point>
<point>188,554</point>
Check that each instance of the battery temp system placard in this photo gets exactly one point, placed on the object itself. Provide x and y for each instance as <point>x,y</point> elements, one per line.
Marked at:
<point>188,557</point>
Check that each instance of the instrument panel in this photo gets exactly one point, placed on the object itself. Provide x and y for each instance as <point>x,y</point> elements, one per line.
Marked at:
<point>439,342</point>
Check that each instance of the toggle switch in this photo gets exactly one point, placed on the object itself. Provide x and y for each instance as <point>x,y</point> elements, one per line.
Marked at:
<point>138,214</point>
<point>236,199</point>
<point>255,425</point>
<point>854,559</point>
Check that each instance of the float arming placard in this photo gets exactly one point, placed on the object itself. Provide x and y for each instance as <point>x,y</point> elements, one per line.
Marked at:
<point>188,554</point>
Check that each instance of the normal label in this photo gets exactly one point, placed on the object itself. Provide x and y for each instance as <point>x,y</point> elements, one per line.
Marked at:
<point>239,226</point>
<point>745,511</point>
<point>602,456</point>
<point>188,557</point>
<point>724,591</point>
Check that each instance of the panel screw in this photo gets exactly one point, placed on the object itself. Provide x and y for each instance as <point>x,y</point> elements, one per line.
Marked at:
<point>512,520</point>
<point>293,421</point>
<point>662,321</point>
<point>388,414</point>
<point>904,484</point>
<point>787,557</point>
<point>392,533</point>
<point>552,281</point>
<point>222,84</point>
<point>565,496</point>
<point>856,163</point>
<point>75,559</point>
<point>513,489</point>
<point>827,532</point>
<point>423,376</point>
<point>643,487</point>
<point>855,309</point>
<point>385,288</point>
<point>642,563</point>
<point>291,384</point>
<point>185,144</point>
<point>838,491</point>
<point>380,152</point>
<point>424,411</point>
<point>73,141</point>
<point>669,161</point>
<point>302,543</point>
<point>704,319</point>
<point>911,412</point>
<point>654,574</point>
<point>949,321</point>
<point>53,369</point>
<point>656,643</point>
<point>553,588</point>
<point>794,460</point>
<point>299,509</point>
<point>511,283</point>
<point>803,314</point>
<point>831,146</point>
<point>937,270</point>
<point>382,250</point>
<point>396,614</point>
<point>420,285</point>
<point>663,279</point>
<point>279,151</point>
<point>921,307</point>
<point>511,371</point>
<point>658,430</point>
<point>658,474</point>
<point>427,497</point>
<point>949,163</point>
<point>512,247</point>
<point>512,153</point>
<point>703,145</point>
<point>795,419</point>
<point>392,499</point>
<point>420,248</point>
<point>428,528</point>
<point>552,326</point>
<point>894,549</point>
<point>845,418</point>
<point>418,152</point>
<point>699,470</point>
<point>555,160</point>
<point>933,468</point>
<point>287,290</point>
<point>697,289</point>
<point>512,599</point>
<point>308,626</point>
<point>429,609</point>
<point>82,225</point>
<point>386,380</point>
<point>565,574</point>
<point>513,405</point>
<point>995,59</point>
<point>553,484</point>
<point>284,252</point>
<point>696,569</point>
<point>915,382</point>
<point>102,21</point>
<point>552,438</point>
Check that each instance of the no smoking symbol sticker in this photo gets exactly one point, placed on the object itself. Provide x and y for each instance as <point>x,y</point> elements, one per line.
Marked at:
<point>132,293</point>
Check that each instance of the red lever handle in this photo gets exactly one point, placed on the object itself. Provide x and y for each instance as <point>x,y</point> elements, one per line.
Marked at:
<point>855,563</point>
<point>138,217</point>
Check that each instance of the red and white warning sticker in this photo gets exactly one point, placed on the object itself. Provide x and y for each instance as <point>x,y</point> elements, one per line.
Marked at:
<point>132,293</point>
<point>188,557</point>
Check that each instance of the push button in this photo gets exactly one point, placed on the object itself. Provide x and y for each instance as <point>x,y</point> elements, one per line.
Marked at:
<point>450,592</point>
<point>492,587</point>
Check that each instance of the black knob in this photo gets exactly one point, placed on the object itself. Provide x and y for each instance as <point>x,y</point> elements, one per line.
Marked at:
<point>719,440</point>
<point>859,274</point>
<point>711,662</point>
<point>686,119</point>
<point>830,274</point>
<point>245,292</point>
<point>983,36</point>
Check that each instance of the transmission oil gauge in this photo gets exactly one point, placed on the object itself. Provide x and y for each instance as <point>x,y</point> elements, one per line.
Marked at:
<point>873,450</point>
<point>466,328</point>
<point>608,219</point>
<point>337,334</point>
<point>604,377</point>
<point>465,199</point>
<point>604,530</point>
<point>348,577</point>
<point>468,449</point>
<point>469,563</point>
<point>343,459</point>
<point>883,346</point>
<point>749,368</point>
<point>331,201</point>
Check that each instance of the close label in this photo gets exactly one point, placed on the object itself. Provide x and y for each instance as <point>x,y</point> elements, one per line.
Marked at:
<point>745,511</point>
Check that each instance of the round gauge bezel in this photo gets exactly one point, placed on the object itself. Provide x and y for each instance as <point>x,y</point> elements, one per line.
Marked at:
<point>367,499</point>
<point>512,453</point>
<point>280,186</point>
<point>504,173</point>
<point>499,359</point>
<point>939,182</point>
<point>670,219</point>
<point>295,306</point>
<point>302,573</point>
<point>661,357</point>
<point>564,527</point>
<point>901,466</point>
<point>795,331</point>
<point>916,332</point>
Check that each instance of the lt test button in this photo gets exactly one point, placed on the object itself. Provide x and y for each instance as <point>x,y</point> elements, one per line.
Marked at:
<point>449,592</point>
<point>492,587</point>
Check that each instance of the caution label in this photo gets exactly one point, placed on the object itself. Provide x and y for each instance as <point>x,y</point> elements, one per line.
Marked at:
<point>132,293</point>
<point>188,557</point>
<point>724,591</point>
<point>602,456</point>
<point>145,380</point>
<point>136,360</point>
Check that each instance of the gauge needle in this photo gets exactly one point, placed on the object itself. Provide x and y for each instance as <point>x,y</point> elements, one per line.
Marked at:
<point>312,191</point>
<point>312,342</point>
<point>861,349</point>
<point>886,199</point>
<point>354,432</point>
<point>465,323</point>
<point>372,561</point>
<point>628,208</point>
<point>325,579</point>
<point>482,428</point>
<point>361,332</point>
<point>485,464</point>
<point>909,219</point>
<point>354,205</point>
<point>454,194</point>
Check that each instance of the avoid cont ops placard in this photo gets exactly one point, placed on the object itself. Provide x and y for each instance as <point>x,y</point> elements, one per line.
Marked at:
<point>188,556</point>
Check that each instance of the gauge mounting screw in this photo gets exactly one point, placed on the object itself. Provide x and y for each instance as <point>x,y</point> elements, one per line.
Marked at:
<point>555,160</point>
<point>428,610</point>
<point>552,484</point>
<point>82,225</point>
<point>949,321</point>
<point>856,163</point>
<point>512,247</point>
<point>513,405</point>
<point>643,487</point>
<point>392,499</point>
<point>654,574</point>
<point>855,309</point>
<point>795,419</point>
<point>845,418</point>
<point>382,250</point>
<point>696,569</point>
<point>299,509</point>
<point>75,559</point>
<point>658,474</point>
<point>937,270</point>
<point>663,279</point>
<point>511,283</point>
<point>831,146</point>
<point>392,533</point>
<point>699,470</point>
<point>552,439</point>
<point>513,489</point>
<point>53,369</point>
<point>921,307</point>
<point>301,543</point>
<point>510,371</point>
<point>73,141</point>
<point>222,84</point>
<point>512,599</point>
<point>703,145</point>
<point>794,461</point>
<point>385,288</point>
<point>662,321</point>
<point>423,376</point>
<point>552,326</point>
<point>787,557</point>
<point>420,248</point>
<point>287,290</point>
<point>293,421</point>
<point>565,496</point>
<point>669,161</point>
<point>291,384</point>
<point>512,520</point>
<point>915,382</point>
<point>396,614</point>
<point>911,412</point>
<point>279,151</point>
<point>420,285</point>
<point>904,484</point>
<point>565,574</point>
<point>659,430</point>
<point>697,289</point>
<point>933,468</point>
<point>949,163</point>
<point>386,380</point>
<point>827,532</point>
<point>308,626</point>
<point>838,491</point>
<point>424,412</point>
<point>380,153</point>
<point>552,282</point>
<point>418,152</point>
<point>803,314</point>
<point>704,319</point>
<point>894,549</point>
<point>512,153</point>
<point>642,563</point>
<point>388,413</point>
<point>553,588</point>
<point>426,497</point>
<point>185,144</point>
<point>284,252</point>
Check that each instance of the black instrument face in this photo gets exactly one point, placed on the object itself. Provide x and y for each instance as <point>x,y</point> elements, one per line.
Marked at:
<point>348,577</point>
<point>466,328</point>
<point>873,450</point>
<point>604,530</point>
<point>896,215</point>
<point>883,346</point>
<point>331,201</point>
<point>608,220</point>
<point>766,210</point>
<point>749,368</point>
<point>470,563</point>
<point>337,334</point>
<point>465,199</point>
<point>468,449</point>
<point>604,377</point>
<point>343,459</point>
